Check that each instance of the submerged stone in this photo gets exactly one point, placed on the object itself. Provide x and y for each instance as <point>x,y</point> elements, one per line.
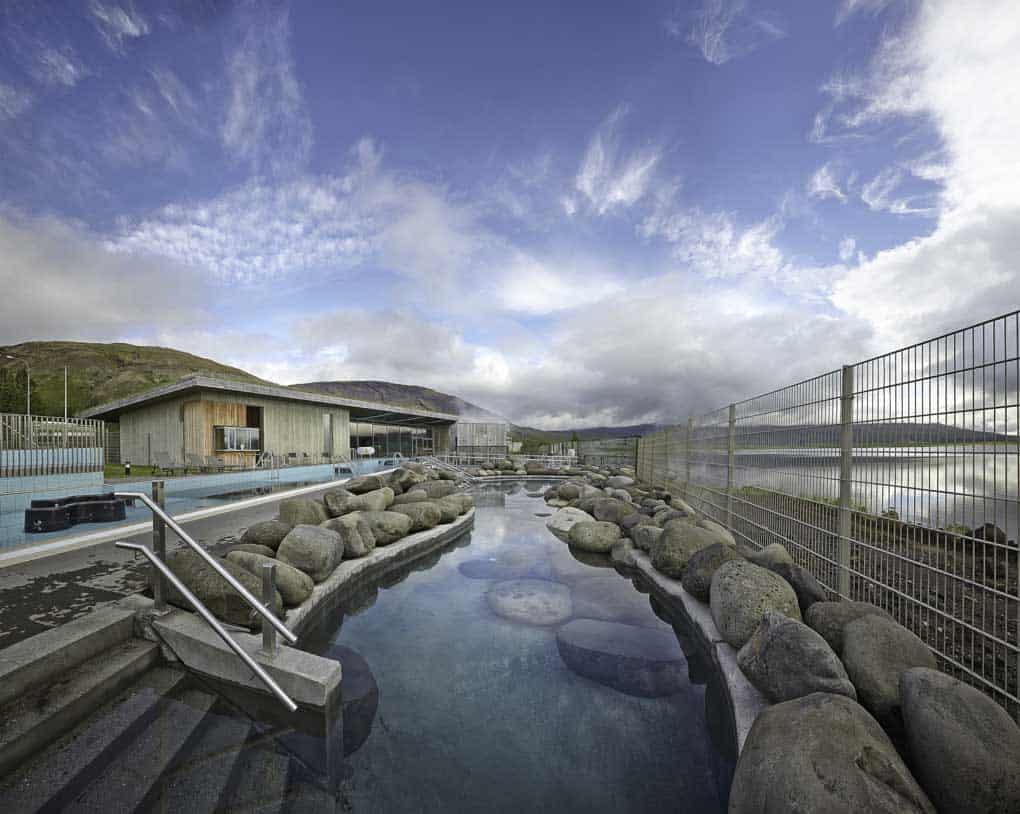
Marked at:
<point>360,696</point>
<point>531,601</point>
<point>634,660</point>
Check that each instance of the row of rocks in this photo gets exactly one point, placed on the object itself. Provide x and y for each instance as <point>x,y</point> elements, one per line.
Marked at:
<point>841,672</point>
<point>310,537</point>
<point>516,467</point>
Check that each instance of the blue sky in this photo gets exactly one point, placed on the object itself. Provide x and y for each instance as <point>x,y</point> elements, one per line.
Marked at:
<point>573,213</point>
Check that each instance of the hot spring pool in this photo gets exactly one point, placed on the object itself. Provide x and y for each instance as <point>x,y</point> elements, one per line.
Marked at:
<point>504,674</point>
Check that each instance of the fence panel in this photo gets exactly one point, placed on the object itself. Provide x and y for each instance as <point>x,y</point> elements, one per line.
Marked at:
<point>893,480</point>
<point>44,445</point>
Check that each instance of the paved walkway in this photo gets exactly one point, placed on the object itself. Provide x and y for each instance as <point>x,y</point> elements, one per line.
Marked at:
<point>47,592</point>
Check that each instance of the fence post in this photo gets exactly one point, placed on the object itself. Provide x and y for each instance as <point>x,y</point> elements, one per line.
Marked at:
<point>159,586</point>
<point>846,451</point>
<point>731,448</point>
<point>270,646</point>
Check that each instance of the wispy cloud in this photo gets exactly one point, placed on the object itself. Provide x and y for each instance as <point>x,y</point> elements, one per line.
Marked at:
<point>13,101</point>
<point>608,180</point>
<point>726,29</point>
<point>847,248</point>
<point>848,8</point>
<point>266,125</point>
<point>118,23</point>
<point>58,67</point>
<point>879,194</point>
<point>825,183</point>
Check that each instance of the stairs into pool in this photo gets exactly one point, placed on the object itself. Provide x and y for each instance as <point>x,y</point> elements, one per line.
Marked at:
<point>165,744</point>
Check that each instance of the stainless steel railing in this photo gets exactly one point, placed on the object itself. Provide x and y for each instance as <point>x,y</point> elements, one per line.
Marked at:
<point>213,622</point>
<point>162,520</point>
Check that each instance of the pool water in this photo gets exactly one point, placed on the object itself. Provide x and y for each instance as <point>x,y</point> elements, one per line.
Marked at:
<point>504,674</point>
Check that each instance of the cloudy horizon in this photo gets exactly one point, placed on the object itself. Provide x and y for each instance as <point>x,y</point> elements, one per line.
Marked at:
<point>572,216</point>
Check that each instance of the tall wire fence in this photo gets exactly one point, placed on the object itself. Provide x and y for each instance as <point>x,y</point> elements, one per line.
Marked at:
<point>43,445</point>
<point>893,480</point>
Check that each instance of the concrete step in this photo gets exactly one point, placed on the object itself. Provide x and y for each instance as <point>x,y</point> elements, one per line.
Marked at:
<point>197,778</point>
<point>140,766</point>
<point>48,656</point>
<point>59,773</point>
<point>259,780</point>
<point>36,718</point>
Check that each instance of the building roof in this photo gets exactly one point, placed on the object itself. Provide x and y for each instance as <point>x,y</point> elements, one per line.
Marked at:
<point>359,410</point>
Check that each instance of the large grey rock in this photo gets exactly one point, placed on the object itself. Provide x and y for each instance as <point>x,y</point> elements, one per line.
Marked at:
<point>645,536</point>
<point>598,537</point>
<point>387,527</point>
<point>561,521</point>
<point>340,501</point>
<point>677,543</point>
<point>212,590</point>
<point>771,556</point>
<point>569,491</point>
<point>638,661</point>
<point>619,482</point>
<point>697,577</point>
<point>404,479</point>
<point>786,659</point>
<point>265,551</point>
<point>467,502</point>
<point>423,516</point>
<point>822,754</point>
<point>531,601</point>
<point>830,619</point>
<point>415,495</point>
<point>449,508</point>
<point>622,553</point>
<point>808,589</point>
<point>294,586</point>
<point>438,488</point>
<point>742,593</point>
<point>268,533</point>
<point>300,511</point>
<point>717,531</point>
<point>964,747</point>
<point>356,533</point>
<point>876,652</point>
<point>611,509</point>
<point>312,549</point>
<point>364,483</point>
<point>611,598</point>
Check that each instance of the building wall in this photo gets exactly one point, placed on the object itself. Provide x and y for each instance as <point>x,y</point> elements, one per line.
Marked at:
<point>153,428</point>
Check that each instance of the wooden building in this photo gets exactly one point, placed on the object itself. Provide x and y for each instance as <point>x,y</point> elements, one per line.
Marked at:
<point>200,418</point>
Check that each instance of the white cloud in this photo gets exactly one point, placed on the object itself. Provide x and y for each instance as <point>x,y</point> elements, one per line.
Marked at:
<point>58,67</point>
<point>608,180</point>
<point>117,23</point>
<point>880,195</point>
<point>825,184</point>
<point>13,101</point>
<point>726,29</point>
<point>848,8</point>
<point>527,285</point>
<point>266,125</point>
<point>847,247</point>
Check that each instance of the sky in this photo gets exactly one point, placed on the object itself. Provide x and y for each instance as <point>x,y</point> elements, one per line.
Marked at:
<point>575,214</point>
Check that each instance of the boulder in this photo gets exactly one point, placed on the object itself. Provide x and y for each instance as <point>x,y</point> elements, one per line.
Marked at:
<point>212,590</point>
<point>364,483</point>
<point>664,516</point>
<point>771,556</point>
<point>423,516</point>
<point>355,532</point>
<point>467,502</point>
<point>340,502</point>
<point>786,659</point>
<point>830,619</point>
<point>416,495</point>
<point>639,661</point>
<point>530,601</point>
<point>386,527</point>
<point>268,533</point>
<point>561,521</point>
<point>697,577</point>
<point>294,586</point>
<point>808,589</point>
<point>622,553</point>
<point>677,543</point>
<point>742,593</point>
<point>611,509</point>
<point>360,697</point>
<point>645,536</point>
<point>438,488</point>
<point>403,479</point>
<point>312,549</point>
<point>265,551</point>
<point>719,532</point>
<point>876,652</point>
<point>569,491</point>
<point>449,507</point>
<point>596,536</point>
<point>619,482</point>
<point>557,503</point>
<point>822,753</point>
<point>301,511</point>
<point>964,747</point>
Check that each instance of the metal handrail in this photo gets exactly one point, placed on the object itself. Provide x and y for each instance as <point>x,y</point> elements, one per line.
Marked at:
<point>206,614</point>
<point>247,595</point>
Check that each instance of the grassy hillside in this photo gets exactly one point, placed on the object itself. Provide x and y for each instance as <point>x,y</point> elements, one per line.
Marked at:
<point>96,373</point>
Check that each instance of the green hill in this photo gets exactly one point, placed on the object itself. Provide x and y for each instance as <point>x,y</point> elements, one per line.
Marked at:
<point>96,373</point>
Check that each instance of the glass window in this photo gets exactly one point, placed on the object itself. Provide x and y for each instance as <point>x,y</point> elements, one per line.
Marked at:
<point>236,439</point>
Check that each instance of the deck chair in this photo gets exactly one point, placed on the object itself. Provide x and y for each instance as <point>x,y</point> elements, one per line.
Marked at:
<point>194,461</point>
<point>161,463</point>
<point>214,464</point>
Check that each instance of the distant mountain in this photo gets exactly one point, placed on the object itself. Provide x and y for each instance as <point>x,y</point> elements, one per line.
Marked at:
<point>588,433</point>
<point>402,395</point>
<point>96,373</point>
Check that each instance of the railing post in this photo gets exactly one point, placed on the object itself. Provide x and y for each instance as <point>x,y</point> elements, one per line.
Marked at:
<point>731,449</point>
<point>159,585</point>
<point>846,451</point>
<point>270,645</point>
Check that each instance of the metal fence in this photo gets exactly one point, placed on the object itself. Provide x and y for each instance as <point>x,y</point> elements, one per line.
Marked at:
<point>43,445</point>
<point>893,480</point>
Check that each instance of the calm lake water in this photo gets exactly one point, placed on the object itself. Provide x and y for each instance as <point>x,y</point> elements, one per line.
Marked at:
<point>506,675</point>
